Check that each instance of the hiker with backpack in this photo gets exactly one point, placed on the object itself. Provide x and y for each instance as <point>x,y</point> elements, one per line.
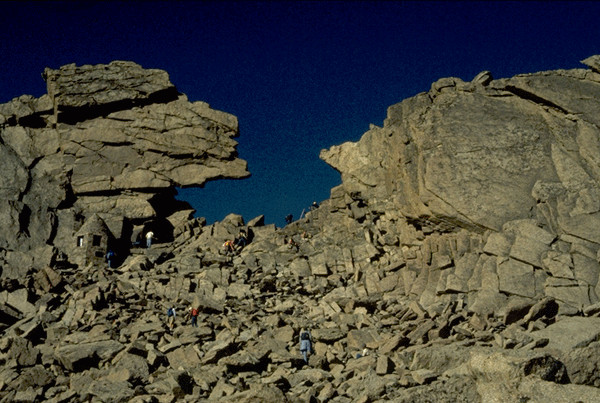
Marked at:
<point>229,247</point>
<point>305,344</point>
<point>171,314</point>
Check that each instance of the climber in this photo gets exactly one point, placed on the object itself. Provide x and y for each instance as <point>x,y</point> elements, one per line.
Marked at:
<point>289,218</point>
<point>292,244</point>
<point>314,206</point>
<point>305,344</point>
<point>149,236</point>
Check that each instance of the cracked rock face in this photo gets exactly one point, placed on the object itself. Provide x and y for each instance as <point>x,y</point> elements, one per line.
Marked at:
<point>498,181</point>
<point>479,154</point>
<point>113,140</point>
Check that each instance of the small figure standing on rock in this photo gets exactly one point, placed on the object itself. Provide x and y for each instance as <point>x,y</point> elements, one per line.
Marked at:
<point>109,258</point>
<point>289,218</point>
<point>314,206</point>
<point>194,316</point>
<point>171,314</point>
<point>305,344</point>
<point>149,236</point>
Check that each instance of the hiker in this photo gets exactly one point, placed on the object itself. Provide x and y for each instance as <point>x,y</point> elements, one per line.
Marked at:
<point>241,240</point>
<point>292,244</point>
<point>149,236</point>
<point>228,246</point>
<point>109,258</point>
<point>171,314</point>
<point>305,344</point>
<point>289,218</point>
<point>314,206</point>
<point>364,353</point>
<point>194,316</point>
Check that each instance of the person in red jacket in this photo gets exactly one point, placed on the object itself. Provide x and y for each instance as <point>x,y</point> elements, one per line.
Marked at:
<point>194,316</point>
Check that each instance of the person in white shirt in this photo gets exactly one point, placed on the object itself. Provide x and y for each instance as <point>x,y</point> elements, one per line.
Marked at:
<point>149,236</point>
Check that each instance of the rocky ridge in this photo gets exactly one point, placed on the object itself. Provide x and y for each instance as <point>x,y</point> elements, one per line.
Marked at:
<point>460,251</point>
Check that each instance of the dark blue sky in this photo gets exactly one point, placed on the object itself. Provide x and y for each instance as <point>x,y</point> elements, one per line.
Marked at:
<point>300,76</point>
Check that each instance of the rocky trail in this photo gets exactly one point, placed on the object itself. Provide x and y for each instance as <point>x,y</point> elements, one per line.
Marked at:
<point>102,334</point>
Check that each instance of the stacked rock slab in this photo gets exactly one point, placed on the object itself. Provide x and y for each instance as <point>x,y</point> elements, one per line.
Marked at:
<point>110,141</point>
<point>510,166</point>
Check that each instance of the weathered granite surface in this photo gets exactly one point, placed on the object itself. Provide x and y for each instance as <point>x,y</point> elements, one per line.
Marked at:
<point>457,262</point>
<point>113,140</point>
<point>512,164</point>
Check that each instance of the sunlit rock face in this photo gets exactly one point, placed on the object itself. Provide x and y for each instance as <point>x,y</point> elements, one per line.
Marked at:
<point>482,153</point>
<point>513,164</point>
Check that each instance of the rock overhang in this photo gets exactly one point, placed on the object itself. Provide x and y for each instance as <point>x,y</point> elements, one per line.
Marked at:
<point>110,139</point>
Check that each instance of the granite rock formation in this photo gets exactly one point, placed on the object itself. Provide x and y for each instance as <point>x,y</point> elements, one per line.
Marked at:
<point>110,141</point>
<point>512,164</point>
<point>457,262</point>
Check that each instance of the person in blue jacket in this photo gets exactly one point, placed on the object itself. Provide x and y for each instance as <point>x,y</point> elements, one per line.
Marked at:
<point>305,344</point>
<point>110,256</point>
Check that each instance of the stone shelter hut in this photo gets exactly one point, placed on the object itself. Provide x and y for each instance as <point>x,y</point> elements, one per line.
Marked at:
<point>92,242</point>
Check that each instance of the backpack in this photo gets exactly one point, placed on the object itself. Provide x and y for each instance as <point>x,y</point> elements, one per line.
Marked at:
<point>170,312</point>
<point>194,312</point>
<point>305,336</point>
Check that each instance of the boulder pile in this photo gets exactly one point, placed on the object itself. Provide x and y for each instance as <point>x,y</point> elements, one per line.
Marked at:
<point>457,262</point>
